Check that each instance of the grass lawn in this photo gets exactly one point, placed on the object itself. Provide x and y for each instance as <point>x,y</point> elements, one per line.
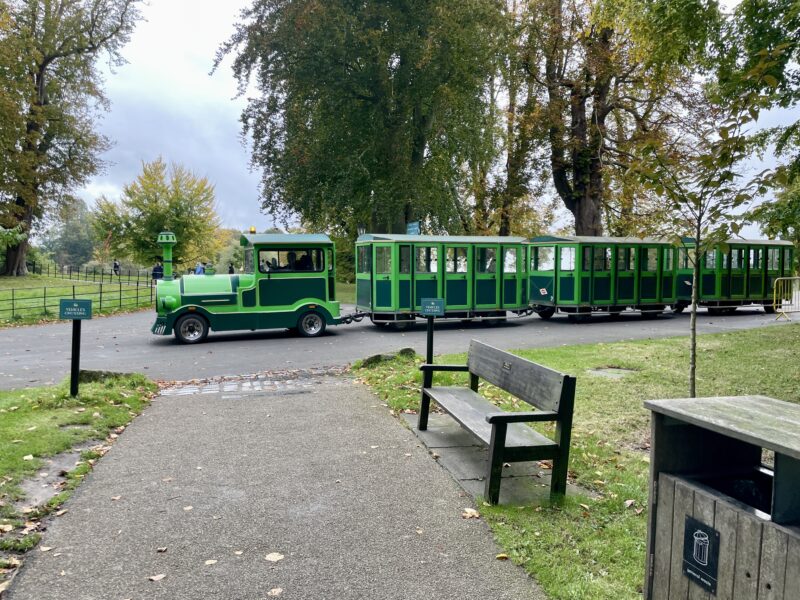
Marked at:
<point>594,547</point>
<point>34,298</point>
<point>346,292</point>
<point>40,422</point>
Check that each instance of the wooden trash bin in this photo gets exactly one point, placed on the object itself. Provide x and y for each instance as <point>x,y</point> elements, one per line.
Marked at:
<point>721,523</point>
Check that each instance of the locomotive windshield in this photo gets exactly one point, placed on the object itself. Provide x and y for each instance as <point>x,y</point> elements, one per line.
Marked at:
<point>248,260</point>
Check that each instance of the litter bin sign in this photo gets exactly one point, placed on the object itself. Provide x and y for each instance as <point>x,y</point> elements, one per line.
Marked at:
<point>701,554</point>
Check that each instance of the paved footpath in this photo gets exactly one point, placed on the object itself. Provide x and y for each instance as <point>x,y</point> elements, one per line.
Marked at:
<point>314,469</point>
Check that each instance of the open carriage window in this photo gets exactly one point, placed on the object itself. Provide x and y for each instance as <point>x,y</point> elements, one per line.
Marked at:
<point>290,260</point>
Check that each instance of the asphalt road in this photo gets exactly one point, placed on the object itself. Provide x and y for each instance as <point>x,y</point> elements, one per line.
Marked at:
<point>40,354</point>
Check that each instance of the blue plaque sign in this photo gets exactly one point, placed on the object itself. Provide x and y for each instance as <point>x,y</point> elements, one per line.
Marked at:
<point>412,228</point>
<point>432,307</point>
<point>75,309</point>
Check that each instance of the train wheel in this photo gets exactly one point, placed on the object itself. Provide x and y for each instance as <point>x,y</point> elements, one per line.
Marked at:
<point>678,308</point>
<point>545,312</point>
<point>311,324</point>
<point>191,329</point>
<point>769,309</point>
<point>403,324</point>
<point>377,323</point>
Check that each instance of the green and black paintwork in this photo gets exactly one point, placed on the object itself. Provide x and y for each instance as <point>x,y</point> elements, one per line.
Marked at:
<point>583,275</point>
<point>736,273</point>
<point>478,277</point>
<point>259,298</point>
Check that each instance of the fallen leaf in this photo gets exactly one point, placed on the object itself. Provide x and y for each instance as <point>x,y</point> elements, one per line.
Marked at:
<point>45,548</point>
<point>115,498</point>
<point>166,479</point>
<point>81,409</point>
<point>96,415</point>
<point>502,556</point>
<point>28,457</point>
<point>419,531</point>
<point>211,562</point>
<point>639,511</point>
<point>188,508</point>
<point>238,552</point>
<point>162,549</point>
<point>4,586</point>
<point>275,592</point>
<point>63,573</point>
<point>32,428</point>
<point>470,513</point>
<point>629,503</point>
<point>6,527</point>
<point>584,506</point>
<point>274,557</point>
<point>373,447</point>
<point>63,511</point>
<point>158,577</point>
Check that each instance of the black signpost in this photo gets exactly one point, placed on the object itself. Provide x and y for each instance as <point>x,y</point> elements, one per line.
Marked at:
<point>77,311</point>
<point>430,308</point>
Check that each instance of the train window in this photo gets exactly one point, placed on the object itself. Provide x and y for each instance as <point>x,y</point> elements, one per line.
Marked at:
<point>544,259</point>
<point>248,260</point>
<point>667,260</point>
<point>456,260</point>
<point>755,258</point>
<point>427,260</point>
<point>510,261</point>
<point>711,259</point>
<point>686,258</point>
<point>773,259</point>
<point>586,262</point>
<point>737,258</point>
<point>487,260</point>
<point>625,258</point>
<point>364,259</point>
<point>567,259</point>
<point>787,262</point>
<point>405,260</point>
<point>602,259</point>
<point>383,260</point>
<point>648,259</point>
<point>726,260</point>
<point>290,260</point>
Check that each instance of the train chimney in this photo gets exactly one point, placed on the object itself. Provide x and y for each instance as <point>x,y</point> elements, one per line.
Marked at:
<point>167,240</point>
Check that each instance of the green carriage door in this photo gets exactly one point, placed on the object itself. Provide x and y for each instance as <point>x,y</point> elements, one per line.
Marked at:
<point>457,278</point>
<point>738,273</point>
<point>567,292</point>
<point>542,275</point>
<point>404,278</point>
<point>601,276</point>
<point>684,274</point>
<point>487,284</point>
<point>383,278</point>
<point>626,275</point>
<point>426,274</point>
<point>364,277</point>
<point>713,281</point>
<point>755,274</point>
<point>773,270</point>
<point>513,276</point>
<point>648,275</point>
<point>668,275</point>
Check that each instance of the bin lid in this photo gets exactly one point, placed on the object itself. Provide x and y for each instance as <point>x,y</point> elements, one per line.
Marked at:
<point>759,420</point>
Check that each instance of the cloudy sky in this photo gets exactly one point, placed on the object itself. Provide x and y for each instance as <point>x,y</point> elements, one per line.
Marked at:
<point>164,103</point>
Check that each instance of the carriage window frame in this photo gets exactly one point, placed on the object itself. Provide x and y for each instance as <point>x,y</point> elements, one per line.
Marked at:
<point>737,258</point>
<point>486,262</point>
<point>456,257</point>
<point>364,260</point>
<point>249,260</point>
<point>667,259</point>
<point>511,266</point>
<point>648,260</point>
<point>566,259</point>
<point>549,253</point>
<point>626,259</point>
<point>773,259</point>
<point>586,259</point>
<point>710,259</point>
<point>405,259</point>
<point>383,260</point>
<point>603,259</point>
<point>429,256</point>
<point>755,261</point>
<point>686,258</point>
<point>280,263</point>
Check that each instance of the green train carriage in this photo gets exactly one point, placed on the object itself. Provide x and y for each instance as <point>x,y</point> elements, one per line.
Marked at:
<point>479,277</point>
<point>736,273</point>
<point>581,275</point>
<point>288,282</point>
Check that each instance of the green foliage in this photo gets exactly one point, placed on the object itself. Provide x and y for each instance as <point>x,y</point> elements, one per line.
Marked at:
<point>71,241</point>
<point>780,218</point>
<point>366,111</point>
<point>593,546</point>
<point>158,200</point>
<point>50,145</point>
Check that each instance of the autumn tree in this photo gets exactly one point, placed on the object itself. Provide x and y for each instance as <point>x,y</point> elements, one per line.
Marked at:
<point>160,199</point>
<point>780,217</point>
<point>70,241</point>
<point>366,113</point>
<point>55,145</point>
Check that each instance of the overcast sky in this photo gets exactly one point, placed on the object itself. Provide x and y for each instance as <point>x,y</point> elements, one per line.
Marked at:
<point>165,103</point>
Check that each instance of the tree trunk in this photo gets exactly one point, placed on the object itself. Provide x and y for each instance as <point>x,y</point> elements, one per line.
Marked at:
<point>15,260</point>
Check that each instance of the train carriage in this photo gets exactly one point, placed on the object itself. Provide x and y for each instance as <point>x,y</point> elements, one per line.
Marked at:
<point>579,275</point>
<point>288,282</point>
<point>736,273</point>
<point>478,277</point>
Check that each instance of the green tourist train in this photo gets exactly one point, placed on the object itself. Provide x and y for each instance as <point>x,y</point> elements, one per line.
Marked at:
<point>288,282</point>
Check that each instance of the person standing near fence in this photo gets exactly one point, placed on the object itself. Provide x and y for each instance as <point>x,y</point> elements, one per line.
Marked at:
<point>231,270</point>
<point>115,266</point>
<point>199,269</point>
<point>158,272</point>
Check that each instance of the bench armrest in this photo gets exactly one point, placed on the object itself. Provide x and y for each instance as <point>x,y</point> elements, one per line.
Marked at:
<point>428,367</point>
<point>521,417</point>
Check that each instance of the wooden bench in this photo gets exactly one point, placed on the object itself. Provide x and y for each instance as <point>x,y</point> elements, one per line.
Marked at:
<point>505,433</point>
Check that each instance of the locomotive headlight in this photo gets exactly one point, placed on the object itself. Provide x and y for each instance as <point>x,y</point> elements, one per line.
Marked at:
<point>168,302</point>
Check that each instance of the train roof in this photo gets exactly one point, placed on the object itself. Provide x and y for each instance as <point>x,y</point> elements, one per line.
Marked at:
<point>251,239</point>
<point>588,239</point>
<point>441,239</point>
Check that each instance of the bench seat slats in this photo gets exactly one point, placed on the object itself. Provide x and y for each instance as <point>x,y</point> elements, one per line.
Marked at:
<point>470,409</point>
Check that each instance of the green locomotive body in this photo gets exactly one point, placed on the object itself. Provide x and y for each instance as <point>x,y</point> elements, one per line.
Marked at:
<point>288,282</point>
<point>478,277</point>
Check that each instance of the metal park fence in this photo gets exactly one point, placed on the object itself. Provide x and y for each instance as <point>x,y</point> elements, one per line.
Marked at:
<point>786,296</point>
<point>95,275</point>
<point>30,302</point>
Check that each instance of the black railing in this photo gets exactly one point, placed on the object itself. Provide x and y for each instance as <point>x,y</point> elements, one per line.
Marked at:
<point>95,275</point>
<point>21,303</point>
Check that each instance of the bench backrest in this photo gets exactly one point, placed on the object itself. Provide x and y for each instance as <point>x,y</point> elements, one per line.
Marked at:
<point>535,384</point>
